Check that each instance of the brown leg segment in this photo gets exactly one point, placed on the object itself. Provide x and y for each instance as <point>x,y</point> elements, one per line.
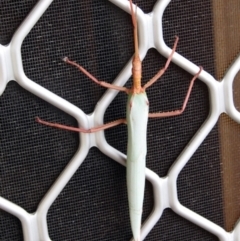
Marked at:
<point>162,71</point>
<point>75,129</point>
<point>102,83</point>
<point>177,112</point>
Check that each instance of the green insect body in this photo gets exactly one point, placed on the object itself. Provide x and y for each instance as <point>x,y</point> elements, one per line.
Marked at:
<point>137,118</point>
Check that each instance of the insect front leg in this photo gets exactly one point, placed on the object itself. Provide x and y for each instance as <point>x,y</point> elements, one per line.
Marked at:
<point>162,71</point>
<point>102,83</point>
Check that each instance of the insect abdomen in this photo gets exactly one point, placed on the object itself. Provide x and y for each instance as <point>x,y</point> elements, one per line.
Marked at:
<point>137,117</point>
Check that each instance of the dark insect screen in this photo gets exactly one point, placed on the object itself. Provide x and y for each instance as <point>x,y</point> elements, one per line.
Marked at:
<point>93,205</point>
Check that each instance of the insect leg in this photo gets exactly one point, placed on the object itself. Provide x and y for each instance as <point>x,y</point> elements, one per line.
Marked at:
<point>102,83</point>
<point>75,129</point>
<point>162,71</point>
<point>178,112</point>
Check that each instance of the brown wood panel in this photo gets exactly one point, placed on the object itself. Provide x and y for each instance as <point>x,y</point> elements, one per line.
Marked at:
<point>226,27</point>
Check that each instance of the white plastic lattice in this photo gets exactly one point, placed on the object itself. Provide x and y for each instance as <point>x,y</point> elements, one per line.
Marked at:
<point>165,189</point>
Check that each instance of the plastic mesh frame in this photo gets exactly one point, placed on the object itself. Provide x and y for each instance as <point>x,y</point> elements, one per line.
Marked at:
<point>34,158</point>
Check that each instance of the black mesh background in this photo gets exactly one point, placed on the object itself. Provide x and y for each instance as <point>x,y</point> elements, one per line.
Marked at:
<point>93,205</point>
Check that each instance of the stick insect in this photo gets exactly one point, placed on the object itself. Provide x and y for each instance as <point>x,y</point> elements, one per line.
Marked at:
<point>137,118</point>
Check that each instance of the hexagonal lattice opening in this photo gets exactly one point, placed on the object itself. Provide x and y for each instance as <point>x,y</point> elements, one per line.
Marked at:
<point>199,183</point>
<point>32,156</point>
<point>98,35</point>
